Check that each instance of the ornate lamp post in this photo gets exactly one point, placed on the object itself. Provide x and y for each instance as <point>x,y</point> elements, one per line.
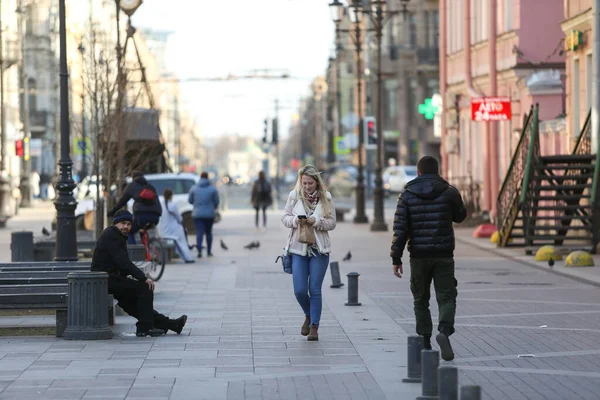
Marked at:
<point>84,146</point>
<point>356,17</point>
<point>66,241</point>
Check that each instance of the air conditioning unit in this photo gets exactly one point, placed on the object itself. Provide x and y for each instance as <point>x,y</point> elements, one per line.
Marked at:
<point>452,144</point>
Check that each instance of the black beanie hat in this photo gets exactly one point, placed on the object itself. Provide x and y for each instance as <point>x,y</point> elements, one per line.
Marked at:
<point>122,215</point>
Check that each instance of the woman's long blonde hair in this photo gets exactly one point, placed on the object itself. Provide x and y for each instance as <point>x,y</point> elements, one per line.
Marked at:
<point>314,173</point>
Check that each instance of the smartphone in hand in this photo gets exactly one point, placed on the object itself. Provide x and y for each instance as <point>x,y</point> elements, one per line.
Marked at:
<point>301,216</point>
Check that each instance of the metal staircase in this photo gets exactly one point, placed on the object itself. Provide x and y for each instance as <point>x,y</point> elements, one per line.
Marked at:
<point>550,199</point>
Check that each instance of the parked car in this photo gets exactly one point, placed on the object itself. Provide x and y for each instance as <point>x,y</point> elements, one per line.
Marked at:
<point>342,180</point>
<point>395,178</point>
<point>179,183</point>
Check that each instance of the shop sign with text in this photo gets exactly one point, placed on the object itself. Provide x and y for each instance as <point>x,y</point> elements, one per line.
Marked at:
<point>490,109</point>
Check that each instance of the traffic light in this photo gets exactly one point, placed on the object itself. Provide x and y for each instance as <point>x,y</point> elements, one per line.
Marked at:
<point>370,131</point>
<point>275,131</point>
<point>19,148</point>
<point>266,131</point>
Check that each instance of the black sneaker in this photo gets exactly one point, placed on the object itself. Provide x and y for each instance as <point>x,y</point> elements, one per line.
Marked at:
<point>177,325</point>
<point>445,347</point>
<point>210,254</point>
<point>426,343</point>
<point>199,255</point>
<point>154,332</point>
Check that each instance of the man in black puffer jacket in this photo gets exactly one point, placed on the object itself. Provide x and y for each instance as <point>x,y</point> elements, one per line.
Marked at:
<point>426,210</point>
<point>146,207</point>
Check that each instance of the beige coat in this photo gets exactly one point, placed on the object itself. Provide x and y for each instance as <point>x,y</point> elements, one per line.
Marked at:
<point>293,208</point>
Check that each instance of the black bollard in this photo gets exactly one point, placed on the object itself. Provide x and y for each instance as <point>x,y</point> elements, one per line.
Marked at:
<point>430,361</point>
<point>413,355</point>
<point>87,316</point>
<point>21,246</point>
<point>448,382</point>
<point>470,392</point>
<point>336,282</point>
<point>353,289</point>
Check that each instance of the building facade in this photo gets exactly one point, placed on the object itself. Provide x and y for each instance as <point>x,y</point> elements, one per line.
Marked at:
<point>518,56</point>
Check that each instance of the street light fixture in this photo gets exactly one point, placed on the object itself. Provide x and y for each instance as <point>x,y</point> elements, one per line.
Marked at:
<point>129,6</point>
<point>66,240</point>
<point>355,11</point>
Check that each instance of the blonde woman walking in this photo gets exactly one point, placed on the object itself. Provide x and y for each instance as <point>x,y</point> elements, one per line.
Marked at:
<point>309,204</point>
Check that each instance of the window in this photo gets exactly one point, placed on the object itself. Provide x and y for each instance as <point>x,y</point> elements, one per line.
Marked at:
<point>508,11</point>
<point>426,33</point>
<point>178,186</point>
<point>436,28</point>
<point>589,84</point>
<point>412,31</point>
<point>575,95</point>
<point>32,88</point>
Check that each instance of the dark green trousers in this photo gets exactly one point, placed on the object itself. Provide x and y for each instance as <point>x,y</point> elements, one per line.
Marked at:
<point>441,271</point>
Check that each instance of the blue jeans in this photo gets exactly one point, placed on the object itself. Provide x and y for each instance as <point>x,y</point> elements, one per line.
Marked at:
<point>308,274</point>
<point>204,226</point>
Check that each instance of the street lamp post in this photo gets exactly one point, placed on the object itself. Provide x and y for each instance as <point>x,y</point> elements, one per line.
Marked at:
<point>379,17</point>
<point>84,147</point>
<point>336,8</point>
<point>66,241</point>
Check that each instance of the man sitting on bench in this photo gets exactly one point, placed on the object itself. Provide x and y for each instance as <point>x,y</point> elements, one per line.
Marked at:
<point>135,296</point>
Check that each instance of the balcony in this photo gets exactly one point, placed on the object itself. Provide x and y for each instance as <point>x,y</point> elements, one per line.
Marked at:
<point>428,56</point>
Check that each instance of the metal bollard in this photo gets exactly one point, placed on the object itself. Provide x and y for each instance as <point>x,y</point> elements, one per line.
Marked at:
<point>334,267</point>
<point>430,361</point>
<point>353,289</point>
<point>21,246</point>
<point>470,392</point>
<point>413,355</point>
<point>87,316</point>
<point>448,382</point>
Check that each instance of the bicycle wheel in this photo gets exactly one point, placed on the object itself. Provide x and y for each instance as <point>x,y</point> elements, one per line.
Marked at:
<point>157,263</point>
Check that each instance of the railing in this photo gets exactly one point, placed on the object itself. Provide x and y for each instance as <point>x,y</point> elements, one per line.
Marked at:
<point>510,192</point>
<point>583,145</point>
<point>528,189</point>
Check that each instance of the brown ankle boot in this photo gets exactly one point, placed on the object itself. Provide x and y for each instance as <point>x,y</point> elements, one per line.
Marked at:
<point>305,327</point>
<point>314,334</point>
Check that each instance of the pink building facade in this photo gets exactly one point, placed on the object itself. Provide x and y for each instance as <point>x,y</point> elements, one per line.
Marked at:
<point>518,57</point>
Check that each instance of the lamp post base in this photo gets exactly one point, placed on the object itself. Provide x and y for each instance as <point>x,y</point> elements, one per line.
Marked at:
<point>379,226</point>
<point>361,216</point>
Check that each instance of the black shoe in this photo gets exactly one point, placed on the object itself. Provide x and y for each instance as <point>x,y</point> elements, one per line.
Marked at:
<point>445,347</point>
<point>176,325</point>
<point>199,255</point>
<point>154,332</point>
<point>426,343</point>
<point>210,254</point>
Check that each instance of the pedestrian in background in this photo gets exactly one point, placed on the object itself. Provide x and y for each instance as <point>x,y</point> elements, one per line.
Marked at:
<point>309,204</point>
<point>261,198</point>
<point>426,210</point>
<point>171,226</point>
<point>205,199</point>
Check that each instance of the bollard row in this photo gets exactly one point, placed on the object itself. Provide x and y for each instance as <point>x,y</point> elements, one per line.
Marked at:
<point>437,382</point>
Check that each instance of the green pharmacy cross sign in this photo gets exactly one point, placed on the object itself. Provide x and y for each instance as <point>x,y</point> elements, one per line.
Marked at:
<point>428,109</point>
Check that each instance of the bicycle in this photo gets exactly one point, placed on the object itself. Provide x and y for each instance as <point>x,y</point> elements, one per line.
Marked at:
<point>155,254</point>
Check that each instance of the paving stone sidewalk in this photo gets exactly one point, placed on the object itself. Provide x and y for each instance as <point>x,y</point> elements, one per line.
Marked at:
<point>242,340</point>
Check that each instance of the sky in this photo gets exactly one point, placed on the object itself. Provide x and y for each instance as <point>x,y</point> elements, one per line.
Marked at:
<point>213,38</point>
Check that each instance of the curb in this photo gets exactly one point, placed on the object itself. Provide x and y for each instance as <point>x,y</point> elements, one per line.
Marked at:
<point>528,263</point>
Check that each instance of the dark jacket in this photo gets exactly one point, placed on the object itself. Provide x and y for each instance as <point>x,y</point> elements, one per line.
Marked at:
<point>132,191</point>
<point>426,210</point>
<point>261,194</point>
<point>110,255</point>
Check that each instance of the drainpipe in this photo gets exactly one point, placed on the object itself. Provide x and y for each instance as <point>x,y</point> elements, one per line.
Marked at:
<point>596,87</point>
<point>443,84</point>
<point>471,92</point>
<point>493,125</point>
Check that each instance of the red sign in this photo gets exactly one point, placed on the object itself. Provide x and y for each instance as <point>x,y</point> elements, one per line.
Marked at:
<point>490,109</point>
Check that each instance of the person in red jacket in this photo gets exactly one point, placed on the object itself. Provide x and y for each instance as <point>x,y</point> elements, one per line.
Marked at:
<point>135,296</point>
